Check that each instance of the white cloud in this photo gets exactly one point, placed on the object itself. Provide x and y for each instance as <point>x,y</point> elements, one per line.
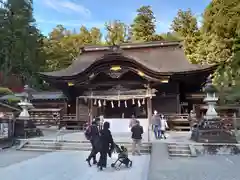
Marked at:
<point>67,6</point>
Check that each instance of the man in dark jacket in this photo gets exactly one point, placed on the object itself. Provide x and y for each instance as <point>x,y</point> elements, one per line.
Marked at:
<point>137,131</point>
<point>106,145</point>
<point>93,137</point>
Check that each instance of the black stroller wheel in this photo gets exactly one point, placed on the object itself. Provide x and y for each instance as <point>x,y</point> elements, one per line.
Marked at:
<point>112,165</point>
<point>130,164</point>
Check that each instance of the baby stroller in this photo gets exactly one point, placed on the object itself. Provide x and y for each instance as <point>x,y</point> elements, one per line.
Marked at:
<point>122,157</point>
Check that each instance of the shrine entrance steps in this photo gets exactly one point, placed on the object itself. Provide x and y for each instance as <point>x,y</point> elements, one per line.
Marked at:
<point>179,150</point>
<point>50,146</point>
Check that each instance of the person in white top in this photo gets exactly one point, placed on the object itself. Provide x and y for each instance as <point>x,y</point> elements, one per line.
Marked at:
<point>101,122</point>
<point>163,126</point>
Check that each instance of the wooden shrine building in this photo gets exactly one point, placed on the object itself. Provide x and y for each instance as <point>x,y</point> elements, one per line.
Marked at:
<point>133,78</point>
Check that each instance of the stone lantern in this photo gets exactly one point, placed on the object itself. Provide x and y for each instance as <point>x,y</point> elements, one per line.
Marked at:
<point>25,103</point>
<point>210,128</point>
<point>210,99</point>
<point>24,124</point>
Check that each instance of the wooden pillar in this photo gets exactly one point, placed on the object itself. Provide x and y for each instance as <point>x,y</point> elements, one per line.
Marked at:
<point>178,104</point>
<point>77,108</point>
<point>235,124</point>
<point>149,111</point>
<point>65,111</point>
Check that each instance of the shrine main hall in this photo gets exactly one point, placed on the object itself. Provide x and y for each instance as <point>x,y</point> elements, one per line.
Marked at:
<point>130,79</point>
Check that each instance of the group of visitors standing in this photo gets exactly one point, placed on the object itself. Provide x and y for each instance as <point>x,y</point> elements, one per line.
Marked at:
<point>102,141</point>
<point>159,125</point>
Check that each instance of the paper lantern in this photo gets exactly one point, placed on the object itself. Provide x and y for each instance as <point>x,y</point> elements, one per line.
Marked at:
<point>143,101</point>
<point>99,103</point>
<point>139,104</point>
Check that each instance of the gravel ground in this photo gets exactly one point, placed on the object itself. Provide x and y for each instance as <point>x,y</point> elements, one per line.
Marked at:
<point>200,168</point>
<point>11,156</point>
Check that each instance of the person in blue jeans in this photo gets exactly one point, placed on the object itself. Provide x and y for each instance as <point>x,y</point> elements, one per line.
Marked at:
<point>156,125</point>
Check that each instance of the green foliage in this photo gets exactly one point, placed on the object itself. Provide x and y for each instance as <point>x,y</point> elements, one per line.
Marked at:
<point>170,36</point>
<point>21,42</point>
<point>220,30</point>
<point>143,27</point>
<point>117,32</point>
<point>185,26</point>
<point>13,100</point>
<point>5,91</point>
<point>215,42</point>
<point>63,46</point>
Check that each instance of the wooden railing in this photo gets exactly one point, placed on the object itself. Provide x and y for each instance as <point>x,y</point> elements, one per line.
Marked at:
<point>71,122</point>
<point>178,122</point>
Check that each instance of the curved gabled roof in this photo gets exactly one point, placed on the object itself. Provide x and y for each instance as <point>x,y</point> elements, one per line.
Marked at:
<point>157,57</point>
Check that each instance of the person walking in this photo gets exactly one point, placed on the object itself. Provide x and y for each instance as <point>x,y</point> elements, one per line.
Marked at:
<point>164,125</point>
<point>106,145</point>
<point>156,125</point>
<point>137,131</point>
<point>92,134</point>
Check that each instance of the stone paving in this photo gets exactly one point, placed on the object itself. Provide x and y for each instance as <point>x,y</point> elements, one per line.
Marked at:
<point>71,165</point>
<point>200,168</point>
<point>11,156</point>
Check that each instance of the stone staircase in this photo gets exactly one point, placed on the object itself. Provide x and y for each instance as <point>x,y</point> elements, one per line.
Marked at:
<point>50,145</point>
<point>180,150</point>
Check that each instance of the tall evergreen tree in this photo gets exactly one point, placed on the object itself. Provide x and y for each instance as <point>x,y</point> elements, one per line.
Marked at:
<point>221,24</point>
<point>21,42</point>
<point>143,27</point>
<point>185,26</point>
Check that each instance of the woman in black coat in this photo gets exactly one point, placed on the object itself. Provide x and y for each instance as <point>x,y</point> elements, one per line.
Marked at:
<point>107,145</point>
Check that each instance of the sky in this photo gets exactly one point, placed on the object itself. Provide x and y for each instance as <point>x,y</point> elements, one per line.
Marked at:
<point>94,13</point>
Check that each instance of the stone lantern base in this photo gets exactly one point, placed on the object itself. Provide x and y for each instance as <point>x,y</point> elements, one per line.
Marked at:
<point>212,131</point>
<point>26,128</point>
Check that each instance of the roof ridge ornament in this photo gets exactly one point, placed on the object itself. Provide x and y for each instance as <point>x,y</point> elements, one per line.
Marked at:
<point>115,48</point>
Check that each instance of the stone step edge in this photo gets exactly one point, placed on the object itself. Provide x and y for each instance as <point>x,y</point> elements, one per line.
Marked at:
<point>81,141</point>
<point>182,150</point>
<point>67,147</point>
<point>63,150</point>
<point>85,143</point>
<point>62,147</point>
<point>178,147</point>
<point>57,144</point>
<point>179,155</point>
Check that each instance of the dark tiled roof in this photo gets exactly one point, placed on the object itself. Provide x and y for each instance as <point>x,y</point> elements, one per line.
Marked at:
<point>9,106</point>
<point>45,95</point>
<point>159,57</point>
